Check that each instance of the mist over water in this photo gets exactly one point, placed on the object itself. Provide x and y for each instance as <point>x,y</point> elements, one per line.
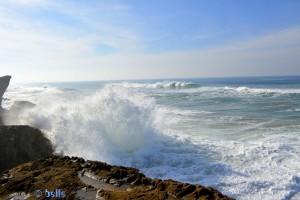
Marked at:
<point>240,136</point>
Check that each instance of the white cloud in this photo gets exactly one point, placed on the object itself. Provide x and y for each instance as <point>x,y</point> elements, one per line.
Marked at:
<point>76,60</point>
<point>32,50</point>
<point>285,38</point>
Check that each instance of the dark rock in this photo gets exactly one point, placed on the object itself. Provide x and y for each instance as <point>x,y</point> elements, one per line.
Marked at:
<point>161,186</point>
<point>4,180</point>
<point>187,190</point>
<point>19,144</point>
<point>4,82</point>
<point>81,160</point>
<point>137,181</point>
<point>131,178</point>
<point>146,181</point>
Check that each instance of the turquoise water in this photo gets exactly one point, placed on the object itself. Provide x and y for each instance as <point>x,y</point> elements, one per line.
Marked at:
<point>238,135</point>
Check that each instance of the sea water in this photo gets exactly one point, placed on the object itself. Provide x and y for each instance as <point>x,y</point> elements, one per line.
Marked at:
<point>238,135</point>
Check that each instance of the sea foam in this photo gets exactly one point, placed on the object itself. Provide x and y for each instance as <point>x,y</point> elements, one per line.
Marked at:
<point>164,84</point>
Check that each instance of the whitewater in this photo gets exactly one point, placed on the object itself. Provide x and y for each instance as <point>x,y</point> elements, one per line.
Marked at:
<point>238,135</point>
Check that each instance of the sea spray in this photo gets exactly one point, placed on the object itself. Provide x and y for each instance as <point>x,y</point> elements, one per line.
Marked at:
<point>110,120</point>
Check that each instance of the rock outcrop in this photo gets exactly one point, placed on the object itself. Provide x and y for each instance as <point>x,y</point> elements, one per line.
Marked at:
<point>16,109</point>
<point>4,82</point>
<point>20,144</point>
<point>75,178</point>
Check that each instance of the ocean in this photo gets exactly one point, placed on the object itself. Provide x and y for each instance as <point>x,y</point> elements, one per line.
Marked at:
<point>238,135</point>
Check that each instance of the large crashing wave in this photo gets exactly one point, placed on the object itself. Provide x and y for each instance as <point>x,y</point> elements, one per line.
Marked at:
<point>107,122</point>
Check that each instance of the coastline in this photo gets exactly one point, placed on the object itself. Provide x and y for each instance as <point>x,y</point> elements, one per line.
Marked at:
<point>74,177</point>
<point>226,145</point>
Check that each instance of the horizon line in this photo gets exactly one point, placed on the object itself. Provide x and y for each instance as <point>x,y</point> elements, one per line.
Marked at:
<point>159,79</point>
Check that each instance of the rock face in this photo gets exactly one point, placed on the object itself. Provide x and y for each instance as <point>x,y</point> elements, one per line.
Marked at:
<point>75,178</point>
<point>19,144</point>
<point>4,82</point>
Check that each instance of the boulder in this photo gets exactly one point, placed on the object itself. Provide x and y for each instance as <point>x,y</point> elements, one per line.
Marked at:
<point>19,144</point>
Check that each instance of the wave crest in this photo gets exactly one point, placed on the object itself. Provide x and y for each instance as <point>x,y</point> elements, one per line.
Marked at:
<point>164,84</point>
<point>267,91</point>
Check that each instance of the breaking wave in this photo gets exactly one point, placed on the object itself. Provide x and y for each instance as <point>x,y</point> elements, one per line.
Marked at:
<point>248,90</point>
<point>164,84</point>
<point>244,91</point>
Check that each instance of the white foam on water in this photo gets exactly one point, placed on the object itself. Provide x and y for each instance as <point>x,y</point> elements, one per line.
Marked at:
<point>30,93</point>
<point>267,91</point>
<point>256,169</point>
<point>163,84</point>
<point>242,90</point>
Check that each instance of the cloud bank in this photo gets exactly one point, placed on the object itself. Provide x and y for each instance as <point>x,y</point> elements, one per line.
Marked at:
<point>86,46</point>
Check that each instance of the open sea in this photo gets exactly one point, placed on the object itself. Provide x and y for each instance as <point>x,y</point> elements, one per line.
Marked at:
<point>238,135</point>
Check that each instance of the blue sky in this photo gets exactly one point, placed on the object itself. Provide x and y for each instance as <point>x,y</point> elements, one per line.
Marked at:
<point>64,40</point>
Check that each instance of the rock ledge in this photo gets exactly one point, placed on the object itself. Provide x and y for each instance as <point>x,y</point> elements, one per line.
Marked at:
<point>80,179</point>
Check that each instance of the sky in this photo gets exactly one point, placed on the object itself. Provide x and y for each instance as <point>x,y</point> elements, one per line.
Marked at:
<point>73,40</point>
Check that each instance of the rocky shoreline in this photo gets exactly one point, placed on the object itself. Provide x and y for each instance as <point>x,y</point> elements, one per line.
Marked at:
<point>77,178</point>
<point>27,164</point>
